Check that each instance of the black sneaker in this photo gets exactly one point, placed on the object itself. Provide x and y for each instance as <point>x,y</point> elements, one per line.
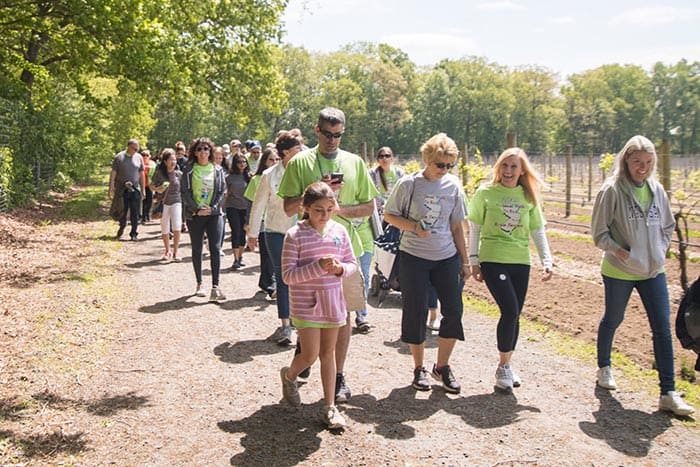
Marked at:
<point>420,379</point>
<point>342,391</point>
<point>448,379</point>
<point>134,237</point>
<point>306,372</point>
<point>120,232</point>
<point>362,324</point>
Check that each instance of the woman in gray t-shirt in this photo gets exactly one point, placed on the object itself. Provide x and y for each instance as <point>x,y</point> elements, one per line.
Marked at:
<point>429,208</point>
<point>166,182</point>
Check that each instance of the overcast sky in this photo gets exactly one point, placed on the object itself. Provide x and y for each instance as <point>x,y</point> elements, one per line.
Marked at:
<point>564,36</point>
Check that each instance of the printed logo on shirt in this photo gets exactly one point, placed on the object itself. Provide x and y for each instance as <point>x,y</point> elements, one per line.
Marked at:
<point>433,207</point>
<point>652,217</point>
<point>511,209</point>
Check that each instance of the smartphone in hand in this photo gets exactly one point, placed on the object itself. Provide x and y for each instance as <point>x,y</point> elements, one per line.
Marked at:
<point>336,177</point>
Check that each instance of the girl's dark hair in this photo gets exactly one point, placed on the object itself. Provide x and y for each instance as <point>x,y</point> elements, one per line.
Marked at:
<point>247,175</point>
<point>164,155</point>
<point>380,169</point>
<point>191,155</point>
<point>262,163</point>
<point>315,192</point>
<point>285,140</point>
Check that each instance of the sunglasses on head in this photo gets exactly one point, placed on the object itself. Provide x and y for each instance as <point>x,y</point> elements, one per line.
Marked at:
<point>384,156</point>
<point>203,148</point>
<point>330,135</point>
<point>444,165</point>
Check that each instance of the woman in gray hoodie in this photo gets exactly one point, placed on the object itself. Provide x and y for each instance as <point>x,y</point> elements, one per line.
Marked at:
<point>632,223</point>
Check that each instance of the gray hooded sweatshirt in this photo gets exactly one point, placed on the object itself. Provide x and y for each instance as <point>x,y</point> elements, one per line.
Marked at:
<point>619,222</point>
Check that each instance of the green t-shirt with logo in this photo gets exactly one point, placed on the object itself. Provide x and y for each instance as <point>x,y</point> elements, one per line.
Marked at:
<point>644,196</point>
<point>203,184</point>
<point>309,166</point>
<point>506,218</point>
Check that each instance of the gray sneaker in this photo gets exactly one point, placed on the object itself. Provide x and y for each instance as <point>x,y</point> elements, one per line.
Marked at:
<point>342,391</point>
<point>216,295</point>
<point>290,389</point>
<point>285,336</point>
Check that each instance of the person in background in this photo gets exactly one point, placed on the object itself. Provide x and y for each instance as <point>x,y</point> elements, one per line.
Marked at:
<point>356,194</point>
<point>149,167</point>
<point>267,215</point>
<point>203,189</point>
<point>316,255</point>
<point>266,280</point>
<point>253,157</point>
<point>237,206</point>
<point>429,207</point>
<point>127,179</point>
<point>166,181</point>
<point>385,175</point>
<point>181,157</point>
<point>235,149</point>
<point>219,159</point>
<point>502,216</point>
<point>632,223</point>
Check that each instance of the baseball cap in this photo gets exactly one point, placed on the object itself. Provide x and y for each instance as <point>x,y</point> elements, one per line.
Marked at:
<point>227,148</point>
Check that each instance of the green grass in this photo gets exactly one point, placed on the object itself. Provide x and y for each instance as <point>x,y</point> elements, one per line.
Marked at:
<point>85,205</point>
<point>636,377</point>
<point>571,236</point>
<point>581,218</point>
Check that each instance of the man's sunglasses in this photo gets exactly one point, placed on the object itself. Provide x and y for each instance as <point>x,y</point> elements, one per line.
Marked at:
<point>444,165</point>
<point>330,135</point>
<point>384,156</point>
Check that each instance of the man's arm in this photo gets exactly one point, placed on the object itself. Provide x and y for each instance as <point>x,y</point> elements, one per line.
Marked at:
<point>358,210</point>
<point>292,205</point>
<point>143,183</point>
<point>112,180</point>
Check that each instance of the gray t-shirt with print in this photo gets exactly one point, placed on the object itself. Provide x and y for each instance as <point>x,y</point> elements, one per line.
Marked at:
<point>438,203</point>
<point>128,168</point>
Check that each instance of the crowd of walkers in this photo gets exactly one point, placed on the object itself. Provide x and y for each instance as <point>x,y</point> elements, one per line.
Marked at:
<point>307,212</point>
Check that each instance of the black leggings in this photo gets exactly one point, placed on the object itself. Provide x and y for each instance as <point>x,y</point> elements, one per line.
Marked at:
<point>508,286</point>
<point>212,226</point>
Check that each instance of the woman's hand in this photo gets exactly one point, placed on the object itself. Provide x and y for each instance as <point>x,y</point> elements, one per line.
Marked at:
<point>420,232</point>
<point>476,273</point>
<point>622,254</point>
<point>546,274</point>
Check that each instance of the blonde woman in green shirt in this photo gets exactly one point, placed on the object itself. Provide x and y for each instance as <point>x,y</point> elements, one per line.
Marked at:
<point>502,216</point>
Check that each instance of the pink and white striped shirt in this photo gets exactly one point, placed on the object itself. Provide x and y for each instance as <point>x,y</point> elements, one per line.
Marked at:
<point>315,295</point>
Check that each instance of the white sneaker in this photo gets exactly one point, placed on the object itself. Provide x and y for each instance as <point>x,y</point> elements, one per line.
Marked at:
<point>285,336</point>
<point>605,378</point>
<point>200,291</point>
<point>504,378</point>
<point>332,417</point>
<point>672,402</point>
<point>516,378</point>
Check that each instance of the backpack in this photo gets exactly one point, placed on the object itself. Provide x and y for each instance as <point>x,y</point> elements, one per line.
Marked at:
<point>688,321</point>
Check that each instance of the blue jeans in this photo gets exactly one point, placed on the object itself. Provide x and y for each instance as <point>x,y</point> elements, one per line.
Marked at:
<point>654,295</point>
<point>274,242</point>
<point>365,262</point>
<point>132,207</point>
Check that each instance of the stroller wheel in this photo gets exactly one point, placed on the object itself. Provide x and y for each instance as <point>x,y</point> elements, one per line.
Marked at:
<point>374,285</point>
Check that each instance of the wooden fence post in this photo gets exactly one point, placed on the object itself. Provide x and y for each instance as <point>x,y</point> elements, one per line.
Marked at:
<point>590,175</point>
<point>364,151</point>
<point>511,140</point>
<point>666,166</point>
<point>568,180</point>
<point>465,162</point>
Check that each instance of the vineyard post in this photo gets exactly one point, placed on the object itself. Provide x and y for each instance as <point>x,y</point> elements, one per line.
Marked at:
<point>666,166</point>
<point>511,139</point>
<point>364,151</point>
<point>590,175</point>
<point>465,162</point>
<point>568,181</point>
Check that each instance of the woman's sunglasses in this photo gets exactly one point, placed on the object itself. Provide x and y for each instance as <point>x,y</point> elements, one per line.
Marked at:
<point>444,165</point>
<point>384,156</point>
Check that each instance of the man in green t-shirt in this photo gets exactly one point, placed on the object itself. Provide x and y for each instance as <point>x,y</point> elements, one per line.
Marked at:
<point>355,192</point>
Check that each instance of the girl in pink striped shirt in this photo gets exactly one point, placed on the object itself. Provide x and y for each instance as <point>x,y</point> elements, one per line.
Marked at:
<point>315,257</point>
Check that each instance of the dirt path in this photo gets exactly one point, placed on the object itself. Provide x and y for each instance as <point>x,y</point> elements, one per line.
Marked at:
<point>185,382</point>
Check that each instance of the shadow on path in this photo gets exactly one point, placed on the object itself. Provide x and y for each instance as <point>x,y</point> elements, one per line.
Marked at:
<point>180,303</point>
<point>265,430</point>
<point>244,351</point>
<point>628,431</point>
<point>392,414</point>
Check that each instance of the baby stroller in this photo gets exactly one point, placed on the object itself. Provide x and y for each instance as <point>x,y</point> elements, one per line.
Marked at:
<point>386,277</point>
